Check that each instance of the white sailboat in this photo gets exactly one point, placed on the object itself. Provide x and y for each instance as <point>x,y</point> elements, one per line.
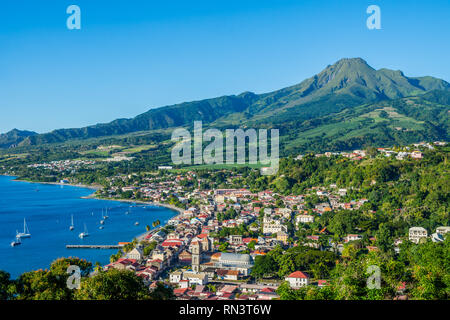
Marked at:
<point>106,215</point>
<point>102,221</point>
<point>72,226</point>
<point>84,233</point>
<point>26,233</point>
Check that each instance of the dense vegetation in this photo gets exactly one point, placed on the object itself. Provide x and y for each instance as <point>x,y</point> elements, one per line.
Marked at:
<point>51,284</point>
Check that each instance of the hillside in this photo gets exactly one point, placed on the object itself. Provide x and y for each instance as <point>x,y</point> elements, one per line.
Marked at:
<point>14,137</point>
<point>340,107</point>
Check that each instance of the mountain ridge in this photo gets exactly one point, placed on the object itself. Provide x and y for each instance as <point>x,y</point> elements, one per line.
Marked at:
<point>348,83</point>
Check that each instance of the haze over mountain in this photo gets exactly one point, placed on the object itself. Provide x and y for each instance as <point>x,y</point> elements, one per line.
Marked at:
<point>349,93</point>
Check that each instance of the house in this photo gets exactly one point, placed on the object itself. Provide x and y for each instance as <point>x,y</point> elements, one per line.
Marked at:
<point>199,278</point>
<point>223,274</point>
<point>304,218</point>
<point>135,254</point>
<point>282,236</point>
<point>416,155</point>
<point>235,239</point>
<point>417,233</point>
<point>352,237</point>
<point>176,276</point>
<point>297,279</point>
<point>322,283</point>
<point>442,230</point>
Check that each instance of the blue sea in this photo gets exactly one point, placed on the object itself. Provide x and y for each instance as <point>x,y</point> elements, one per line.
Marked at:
<point>48,209</point>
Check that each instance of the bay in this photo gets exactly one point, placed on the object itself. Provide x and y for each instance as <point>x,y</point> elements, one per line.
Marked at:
<point>48,208</point>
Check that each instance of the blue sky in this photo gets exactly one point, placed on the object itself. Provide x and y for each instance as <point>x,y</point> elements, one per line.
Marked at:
<point>130,56</point>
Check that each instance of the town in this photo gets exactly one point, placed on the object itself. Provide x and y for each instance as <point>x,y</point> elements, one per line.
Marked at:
<point>222,241</point>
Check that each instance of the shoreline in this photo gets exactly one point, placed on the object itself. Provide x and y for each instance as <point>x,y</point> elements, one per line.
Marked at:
<point>93,187</point>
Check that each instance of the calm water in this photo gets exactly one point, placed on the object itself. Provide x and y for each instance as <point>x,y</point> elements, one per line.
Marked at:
<point>48,209</point>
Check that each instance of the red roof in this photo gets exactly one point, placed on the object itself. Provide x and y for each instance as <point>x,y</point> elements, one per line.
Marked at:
<point>298,274</point>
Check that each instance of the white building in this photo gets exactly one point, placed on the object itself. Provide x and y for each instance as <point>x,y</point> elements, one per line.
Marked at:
<point>297,279</point>
<point>135,254</point>
<point>176,276</point>
<point>417,233</point>
<point>273,226</point>
<point>304,218</point>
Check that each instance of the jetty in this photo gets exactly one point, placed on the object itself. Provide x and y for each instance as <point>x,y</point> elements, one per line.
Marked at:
<point>93,246</point>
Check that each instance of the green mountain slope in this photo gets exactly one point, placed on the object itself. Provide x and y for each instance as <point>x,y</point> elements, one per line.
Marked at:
<point>348,91</point>
<point>14,137</point>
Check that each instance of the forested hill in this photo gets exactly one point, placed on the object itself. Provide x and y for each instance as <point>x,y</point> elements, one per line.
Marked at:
<point>330,108</point>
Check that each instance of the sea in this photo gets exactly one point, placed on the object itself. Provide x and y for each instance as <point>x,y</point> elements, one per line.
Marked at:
<point>47,210</point>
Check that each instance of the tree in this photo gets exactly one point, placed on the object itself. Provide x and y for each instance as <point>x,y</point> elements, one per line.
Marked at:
<point>264,266</point>
<point>162,292</point>
<point>113,285</point>
<point>6,286</point>
<point>50,284</point>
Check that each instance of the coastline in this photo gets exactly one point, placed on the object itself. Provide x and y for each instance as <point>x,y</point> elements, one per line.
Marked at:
<point>93,187</point>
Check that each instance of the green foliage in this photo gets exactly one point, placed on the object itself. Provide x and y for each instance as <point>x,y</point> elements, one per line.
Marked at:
<point>112,285</point>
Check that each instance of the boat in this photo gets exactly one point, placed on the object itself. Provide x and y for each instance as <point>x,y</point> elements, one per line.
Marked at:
<point>16,242</point>
<point>102,221</point>
<point>136,223</point>
<point>84,233</point>
<point>72,226</point>
<point>106,215</point>
<point>101,227</point>
<point>26,233</point>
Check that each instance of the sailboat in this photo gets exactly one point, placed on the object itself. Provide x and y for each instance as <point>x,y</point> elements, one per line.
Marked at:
<point>16,242</point>
<point>102,221</point>
<point>72,226</point>
<point>106,215</point>
<point>25,233</point>
<point>84,233</point>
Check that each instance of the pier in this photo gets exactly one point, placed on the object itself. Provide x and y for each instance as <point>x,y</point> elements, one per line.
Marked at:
<point>93,246</point>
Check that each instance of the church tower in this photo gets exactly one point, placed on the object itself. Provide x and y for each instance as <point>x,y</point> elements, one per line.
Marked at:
<point>196,255</point>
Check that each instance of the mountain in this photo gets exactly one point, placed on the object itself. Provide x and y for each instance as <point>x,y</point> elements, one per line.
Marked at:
<point>349,85</point>
<point>14,137</point>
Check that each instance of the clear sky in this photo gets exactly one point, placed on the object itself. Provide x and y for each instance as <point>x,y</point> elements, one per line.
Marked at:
<point>132,55</point>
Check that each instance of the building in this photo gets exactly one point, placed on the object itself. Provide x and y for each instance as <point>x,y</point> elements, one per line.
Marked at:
<point>198,278</point>
<point>196,250</point>
<point>235,239</point>
<point>297,279</point>
<point>176,276</point>
<point>417,233</point>
<point>272,226</point>
<point>282,236</point>
<point>352,237</point>
<point>235,261</point>
<point>304,218</point>
<point>135,254</point>
<point>442,230</point>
